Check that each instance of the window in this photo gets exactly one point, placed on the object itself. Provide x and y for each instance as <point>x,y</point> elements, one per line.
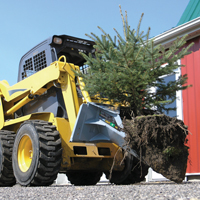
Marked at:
<point>178,102</point>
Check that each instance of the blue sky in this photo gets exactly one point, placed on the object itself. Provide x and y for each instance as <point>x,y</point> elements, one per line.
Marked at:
<point>25,23</point>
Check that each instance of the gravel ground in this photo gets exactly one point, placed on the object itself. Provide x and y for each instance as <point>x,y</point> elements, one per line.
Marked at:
<point>152,190</point>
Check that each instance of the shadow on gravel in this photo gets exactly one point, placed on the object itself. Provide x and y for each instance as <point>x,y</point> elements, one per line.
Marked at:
<point>140,184</point>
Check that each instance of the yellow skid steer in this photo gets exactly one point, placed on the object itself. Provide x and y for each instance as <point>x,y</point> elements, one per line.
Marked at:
<point>50,125</point>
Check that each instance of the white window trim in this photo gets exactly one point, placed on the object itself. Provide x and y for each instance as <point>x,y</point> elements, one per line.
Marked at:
<point>179,99</point>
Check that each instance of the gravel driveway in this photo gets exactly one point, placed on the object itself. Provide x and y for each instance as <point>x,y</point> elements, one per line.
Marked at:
<point>152,190</point>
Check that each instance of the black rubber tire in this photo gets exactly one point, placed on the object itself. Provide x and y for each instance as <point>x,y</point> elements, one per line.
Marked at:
<point>118,177</point>
<point>84,177</point>
<point>7,177</point>
<point>47,154</point>
<point>138,172</point>
<point>134,172</point>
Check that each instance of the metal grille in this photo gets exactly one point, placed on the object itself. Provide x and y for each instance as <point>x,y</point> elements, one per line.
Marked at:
<point>28,66</point>
<point>40,61</point>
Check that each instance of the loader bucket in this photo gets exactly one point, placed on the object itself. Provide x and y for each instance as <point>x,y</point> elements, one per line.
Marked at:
<point>99,123</point>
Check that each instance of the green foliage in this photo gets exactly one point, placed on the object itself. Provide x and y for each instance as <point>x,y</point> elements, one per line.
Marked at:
<point>125,69</point>
<point>172,151</point>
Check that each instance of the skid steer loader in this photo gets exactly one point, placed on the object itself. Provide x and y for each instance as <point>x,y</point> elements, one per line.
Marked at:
<point>50,125</point>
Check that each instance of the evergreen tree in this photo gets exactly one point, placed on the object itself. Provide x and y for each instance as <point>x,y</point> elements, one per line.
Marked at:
<point>125,69</point>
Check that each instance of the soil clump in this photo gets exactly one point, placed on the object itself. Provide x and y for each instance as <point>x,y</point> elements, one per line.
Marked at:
<point>159,140</point>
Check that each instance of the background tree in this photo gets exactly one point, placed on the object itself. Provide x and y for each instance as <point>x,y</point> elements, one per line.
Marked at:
<point>125,69</point>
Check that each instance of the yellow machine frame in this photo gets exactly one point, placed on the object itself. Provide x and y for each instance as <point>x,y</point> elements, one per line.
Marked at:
<point>58,73</point>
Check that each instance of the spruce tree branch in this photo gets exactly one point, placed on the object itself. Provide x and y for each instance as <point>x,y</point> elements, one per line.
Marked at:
<point>138,28</point>
<point>123,21</point>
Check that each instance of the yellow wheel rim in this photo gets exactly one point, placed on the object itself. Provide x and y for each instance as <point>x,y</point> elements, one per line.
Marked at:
<point>25,153</point>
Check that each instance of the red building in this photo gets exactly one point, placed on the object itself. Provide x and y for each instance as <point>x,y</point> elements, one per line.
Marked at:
<point>188,101</point>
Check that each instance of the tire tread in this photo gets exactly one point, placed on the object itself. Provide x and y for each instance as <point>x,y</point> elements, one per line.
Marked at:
<point>50,154</point>
<point>7,177</point>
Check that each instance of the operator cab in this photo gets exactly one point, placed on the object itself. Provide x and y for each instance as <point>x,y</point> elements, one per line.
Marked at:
<point>42,56</point>
<point>50,50</point>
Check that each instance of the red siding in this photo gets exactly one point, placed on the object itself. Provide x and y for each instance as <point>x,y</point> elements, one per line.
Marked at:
<point>191,105</point>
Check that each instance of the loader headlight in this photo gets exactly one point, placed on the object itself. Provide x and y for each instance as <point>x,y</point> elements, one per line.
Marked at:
<point>57,40</point>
